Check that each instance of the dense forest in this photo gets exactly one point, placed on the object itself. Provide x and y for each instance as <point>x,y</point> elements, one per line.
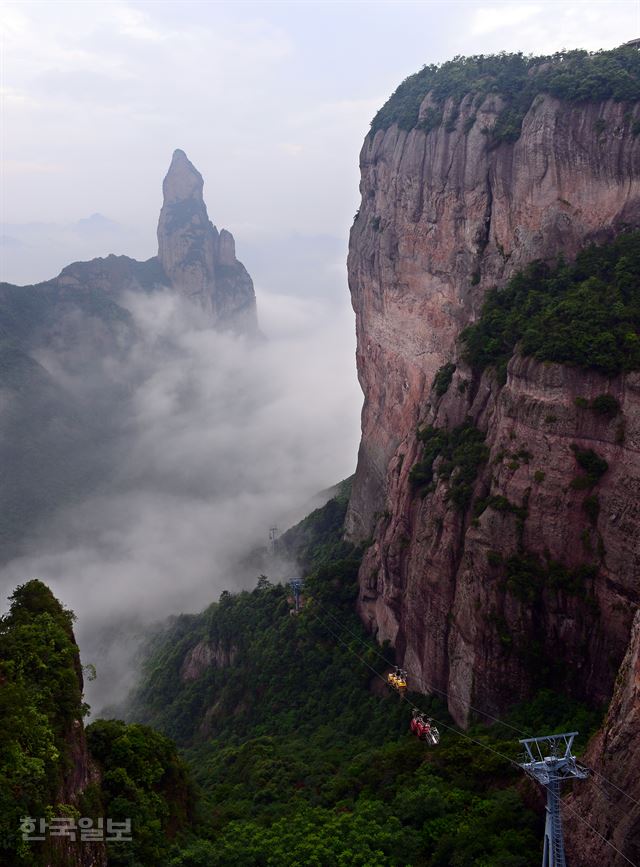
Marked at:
<point>302,755</point>
<point>574,76</point>
<point>46,772</point>
<point>293,752</point>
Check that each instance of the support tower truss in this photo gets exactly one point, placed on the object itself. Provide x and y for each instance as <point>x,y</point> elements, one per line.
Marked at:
<point>550,761</point>
<point>296,588</point>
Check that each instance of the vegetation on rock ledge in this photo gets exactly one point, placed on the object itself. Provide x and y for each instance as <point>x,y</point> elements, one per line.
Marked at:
<point>586,313</point>
<point>442,379</point>
<point>574,76</point>
<point>461,452</point>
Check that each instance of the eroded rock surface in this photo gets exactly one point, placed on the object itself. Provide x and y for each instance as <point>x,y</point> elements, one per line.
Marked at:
<point>444,217</point>
<point>206,655</point>
<point>199,261</point>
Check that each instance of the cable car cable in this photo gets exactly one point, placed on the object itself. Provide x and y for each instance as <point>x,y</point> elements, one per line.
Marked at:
<point>471,707</point>
<point>478,743</point>
<point>429,685</point>
<point>622,791</point>
<point>412,704</point>
<point>568,807</point>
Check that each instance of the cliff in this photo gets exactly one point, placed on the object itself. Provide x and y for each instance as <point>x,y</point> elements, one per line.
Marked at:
<point>521,583</point>
<point>614,755</point>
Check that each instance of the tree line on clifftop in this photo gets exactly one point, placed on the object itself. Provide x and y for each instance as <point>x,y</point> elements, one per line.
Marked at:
<point>573,76</point>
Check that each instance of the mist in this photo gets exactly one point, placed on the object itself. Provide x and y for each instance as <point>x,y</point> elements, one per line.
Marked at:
<point>212,439</point>
<point>201,441</point>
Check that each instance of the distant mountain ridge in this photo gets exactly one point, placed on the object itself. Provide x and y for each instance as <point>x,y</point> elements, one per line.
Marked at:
<point>194,259</point>
<point>61,406</point>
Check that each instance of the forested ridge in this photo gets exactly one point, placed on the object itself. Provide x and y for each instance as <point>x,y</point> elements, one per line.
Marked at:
<point>47,772</point>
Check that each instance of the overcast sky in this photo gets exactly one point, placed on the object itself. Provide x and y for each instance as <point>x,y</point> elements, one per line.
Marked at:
<point>271,102</point>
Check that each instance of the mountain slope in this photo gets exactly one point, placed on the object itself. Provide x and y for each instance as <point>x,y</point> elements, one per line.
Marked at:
<point>302,753</point>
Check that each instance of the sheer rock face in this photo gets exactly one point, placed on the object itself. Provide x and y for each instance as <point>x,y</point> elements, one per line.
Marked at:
<point>80,773</point>
<point>443,218</point>
<point>199,261</point>
<point>613,753</point>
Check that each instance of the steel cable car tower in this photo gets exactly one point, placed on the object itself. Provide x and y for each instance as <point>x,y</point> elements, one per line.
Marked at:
<point>296,588</point>
<point>549,760</point>
<point>273,540</point>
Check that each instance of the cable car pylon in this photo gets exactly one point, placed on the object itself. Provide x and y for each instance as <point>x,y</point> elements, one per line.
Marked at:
<point>296,585</point>
<point>550,761</point>
<point>581,771</point>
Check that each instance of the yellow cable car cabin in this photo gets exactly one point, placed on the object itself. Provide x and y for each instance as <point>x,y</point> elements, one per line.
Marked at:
<point>398,680</point>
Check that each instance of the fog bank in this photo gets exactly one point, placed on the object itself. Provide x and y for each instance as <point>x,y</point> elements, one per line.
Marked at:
<point>216,441</point>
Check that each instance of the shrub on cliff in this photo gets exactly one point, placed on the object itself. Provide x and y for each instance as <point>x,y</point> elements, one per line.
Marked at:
<point>527,576</point>
<point>442,379</point>
<point>586,313</point>
<point>593,465</point>
<point>606,405</point>
<point>462,452</point>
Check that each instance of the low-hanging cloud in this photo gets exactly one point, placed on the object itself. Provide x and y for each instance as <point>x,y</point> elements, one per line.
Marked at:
<point>217,440</point>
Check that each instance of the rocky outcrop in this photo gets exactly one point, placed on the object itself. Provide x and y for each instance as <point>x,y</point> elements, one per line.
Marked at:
<point>194,260</point>
<point>206,655</point>
<point>81,775</point>
<point>71,347</point>
<point>445,215</point>
<point>610,799</point>
<point>199,261</point>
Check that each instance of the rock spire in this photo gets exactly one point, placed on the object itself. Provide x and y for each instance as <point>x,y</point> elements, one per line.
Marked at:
<point>198,261</point>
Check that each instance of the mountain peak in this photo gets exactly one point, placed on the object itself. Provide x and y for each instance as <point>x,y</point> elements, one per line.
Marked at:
<point>198,261</point>
<point>183,181</point>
